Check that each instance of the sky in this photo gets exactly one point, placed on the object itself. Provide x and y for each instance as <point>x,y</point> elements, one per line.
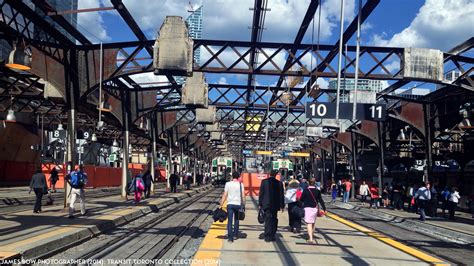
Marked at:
<point>436,24</point>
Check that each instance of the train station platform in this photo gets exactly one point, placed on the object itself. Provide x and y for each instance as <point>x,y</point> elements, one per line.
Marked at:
<point>459,230</point>
<point>339,242</point>
<point>26,235</point>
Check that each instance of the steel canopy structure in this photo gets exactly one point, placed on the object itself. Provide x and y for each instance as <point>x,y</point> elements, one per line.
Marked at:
<point>64,83</point>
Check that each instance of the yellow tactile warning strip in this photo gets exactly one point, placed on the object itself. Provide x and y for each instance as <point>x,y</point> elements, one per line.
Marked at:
<point>404,248</point>
<point>13,249</point>
<point>209,251</point>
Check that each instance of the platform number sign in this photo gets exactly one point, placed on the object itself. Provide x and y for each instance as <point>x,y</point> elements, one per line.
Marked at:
<point>327,110</point>
<point>59,134</point>
<point>83,135</point>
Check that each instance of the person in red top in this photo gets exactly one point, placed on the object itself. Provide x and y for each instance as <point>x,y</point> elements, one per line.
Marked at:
<point>347,190</point>
<point>374,196</point>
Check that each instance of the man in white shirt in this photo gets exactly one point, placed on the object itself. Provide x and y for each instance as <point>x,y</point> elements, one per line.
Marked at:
<point>363,191</point>
<point>453,202</point>
<point>234,194</point>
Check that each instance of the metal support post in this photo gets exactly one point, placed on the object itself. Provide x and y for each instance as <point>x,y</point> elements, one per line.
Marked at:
<point>354,162</point>
<point>181,163</point>
<point>170,162</point>
<point>72,84</point>
<point>339,63</point>
<point>333,147</point>
<point>126,141</point>
<point>323,171</point>
<point>381,154</point>
<point>194,169</point>
<point>429,153</point>
<point>153,153</point>
<point>356,78</point>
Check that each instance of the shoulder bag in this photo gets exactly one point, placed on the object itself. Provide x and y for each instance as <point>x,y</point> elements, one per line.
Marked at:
<point>242,206</point>
<point>320,212</point>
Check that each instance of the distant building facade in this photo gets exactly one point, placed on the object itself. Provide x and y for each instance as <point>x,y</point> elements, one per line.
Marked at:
<point>194,22</point>
<point>364,85</point>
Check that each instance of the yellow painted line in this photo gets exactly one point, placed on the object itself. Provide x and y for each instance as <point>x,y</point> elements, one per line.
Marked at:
<point>387,240</point>
<point>210,249</point>
<point>5,255</point>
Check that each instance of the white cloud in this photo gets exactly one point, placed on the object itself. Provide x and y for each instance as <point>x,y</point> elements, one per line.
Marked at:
<point>91,24</point>
<point>222,80</point>
<point>323,83</point>
<point>385,84</point>
<point>439,24</point>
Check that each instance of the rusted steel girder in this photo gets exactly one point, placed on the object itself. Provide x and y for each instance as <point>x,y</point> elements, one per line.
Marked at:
<point>345,139</point>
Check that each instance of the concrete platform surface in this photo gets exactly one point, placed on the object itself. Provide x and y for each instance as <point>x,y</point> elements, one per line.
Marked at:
<point>339,242</point>
<point>463,223</point>
<point>30,235</point>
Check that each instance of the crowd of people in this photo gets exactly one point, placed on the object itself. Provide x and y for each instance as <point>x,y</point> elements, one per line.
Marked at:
<point>139,185</point>
<point>423,198</point>
<point>301,197</point>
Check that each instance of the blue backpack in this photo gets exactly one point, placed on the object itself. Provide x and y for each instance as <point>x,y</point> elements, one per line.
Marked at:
<point>78,179</point>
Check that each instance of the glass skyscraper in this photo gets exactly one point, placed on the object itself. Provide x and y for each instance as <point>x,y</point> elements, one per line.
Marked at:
<point>194,22</point>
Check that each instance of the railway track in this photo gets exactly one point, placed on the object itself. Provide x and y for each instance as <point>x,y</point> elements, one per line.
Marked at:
<point>159,235</point>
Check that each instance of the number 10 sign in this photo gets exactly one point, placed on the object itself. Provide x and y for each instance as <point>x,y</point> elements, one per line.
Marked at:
<point>365,111</point>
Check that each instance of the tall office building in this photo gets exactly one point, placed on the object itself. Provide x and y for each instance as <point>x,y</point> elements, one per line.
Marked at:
<point>364,86</point>
<point>194,22</point>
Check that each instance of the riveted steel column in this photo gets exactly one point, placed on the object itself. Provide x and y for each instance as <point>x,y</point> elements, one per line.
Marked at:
<point>153,152</point>
<point>381,145</point>
<point>428,146</point>
<point>125,95</point>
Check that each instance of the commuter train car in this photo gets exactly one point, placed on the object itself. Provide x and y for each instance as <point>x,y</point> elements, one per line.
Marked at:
<point>221,168</point>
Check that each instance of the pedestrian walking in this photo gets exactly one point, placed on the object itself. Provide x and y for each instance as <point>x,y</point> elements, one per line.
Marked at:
<point>53,178</point>
<point>173,182</point>
<point>453,202</point>
<point>385,195</point>
<point>271,199</point>
<point>311,198</point>
<point>347,190</point>
<point>303,184</point>
<point>235,197</point>
<point>470,204</point>
<point>147,181</point>
<point>291,197</point>
<point>423,196</point>
<point>39,186</point>
<point>445,198</point>
<point>364,192</point>
<point>397,197</point>
<point>137,187</point>
<point>374,196</point>
<point>333,192</point>
<point>434,201</point>
<point>77,180</point>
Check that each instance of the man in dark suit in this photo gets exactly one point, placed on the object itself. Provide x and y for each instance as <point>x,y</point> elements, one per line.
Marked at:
<point>271,199</point>
<point>38,184</point>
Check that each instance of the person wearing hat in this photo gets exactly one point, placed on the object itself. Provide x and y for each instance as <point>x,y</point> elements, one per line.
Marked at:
<point>271,199</point>
<point>291,200</point>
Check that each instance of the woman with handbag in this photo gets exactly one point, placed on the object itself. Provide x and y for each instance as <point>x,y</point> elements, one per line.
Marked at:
<point>291,198</point>
<point>311,198</point>
<point>234,194</point>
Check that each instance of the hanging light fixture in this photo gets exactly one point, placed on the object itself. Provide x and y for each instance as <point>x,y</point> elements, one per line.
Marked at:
<point>94,137</point>
<point>115,143</point>
<point>11,114</point>
<point>402,136</point>
<point>60,127</point>
<point>19,59</point>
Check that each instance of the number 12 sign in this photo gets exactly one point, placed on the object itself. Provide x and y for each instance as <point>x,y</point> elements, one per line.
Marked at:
<point>365,111</point>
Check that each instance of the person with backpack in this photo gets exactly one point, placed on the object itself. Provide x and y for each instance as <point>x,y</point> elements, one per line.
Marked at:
<point>137,187</point>
<point>77,180</point>
<point>38,185</point>
<point>311,199</point>
<point>147,180</point>
<point>292,196</point>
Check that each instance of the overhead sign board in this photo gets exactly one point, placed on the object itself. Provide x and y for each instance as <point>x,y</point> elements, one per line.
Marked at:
<point>365,111</point>
<point>299,154</point>
<point>263,152</point>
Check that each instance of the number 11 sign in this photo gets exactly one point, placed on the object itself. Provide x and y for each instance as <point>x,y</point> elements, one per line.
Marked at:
<point>365,111</point>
